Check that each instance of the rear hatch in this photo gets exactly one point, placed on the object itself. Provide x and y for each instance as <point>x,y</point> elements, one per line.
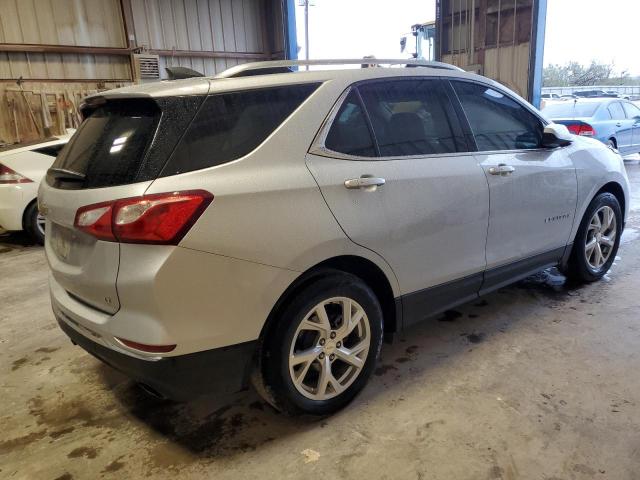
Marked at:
<point>117,152</point>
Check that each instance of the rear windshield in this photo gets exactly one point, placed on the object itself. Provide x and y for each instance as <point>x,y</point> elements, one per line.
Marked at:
<point>109,147</point>
<point>570,109</point>
<point>228,126</point>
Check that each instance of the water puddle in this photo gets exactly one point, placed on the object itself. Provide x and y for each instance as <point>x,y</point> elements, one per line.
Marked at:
<point>550,283</point>
<point>551,277</point>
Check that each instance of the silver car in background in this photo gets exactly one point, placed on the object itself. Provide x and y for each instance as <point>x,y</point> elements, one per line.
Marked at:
<point>272,225</point>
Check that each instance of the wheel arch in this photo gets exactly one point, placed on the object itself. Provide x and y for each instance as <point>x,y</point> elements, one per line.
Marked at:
<point>363,268</point>
<point>615,189</point>
<point>24,212</point>
<point>572,263</point>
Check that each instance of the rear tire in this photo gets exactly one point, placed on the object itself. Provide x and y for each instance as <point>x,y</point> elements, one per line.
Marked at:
<point>314,362</point>
<point>597,241</point>
<point>34,223</point>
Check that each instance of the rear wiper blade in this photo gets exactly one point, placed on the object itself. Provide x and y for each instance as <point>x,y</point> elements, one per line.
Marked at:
<point>64,174</point>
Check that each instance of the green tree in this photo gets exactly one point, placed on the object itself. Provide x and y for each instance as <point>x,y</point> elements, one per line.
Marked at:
<point>575,74</point>
<point>555,76</point>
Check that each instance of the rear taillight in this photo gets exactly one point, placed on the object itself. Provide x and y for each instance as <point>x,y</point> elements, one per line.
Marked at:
<point>8,176</point>
<point>96,220</point>
<point>162,218</point>
<point>583,129</point>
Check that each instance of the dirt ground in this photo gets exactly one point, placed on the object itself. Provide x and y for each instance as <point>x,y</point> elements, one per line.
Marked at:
<point>536,381</point>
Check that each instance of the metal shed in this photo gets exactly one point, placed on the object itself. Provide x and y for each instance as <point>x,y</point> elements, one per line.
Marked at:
<point>501,39</point>
<point>65,49</point>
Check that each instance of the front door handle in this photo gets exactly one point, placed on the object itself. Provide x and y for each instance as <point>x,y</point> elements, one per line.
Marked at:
<point>502,169</point>
<point>618,124</point>
<point>366,182</point>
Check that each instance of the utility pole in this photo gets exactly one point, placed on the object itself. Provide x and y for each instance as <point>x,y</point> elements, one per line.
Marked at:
<point>306,29</point>
<point>306,4</point>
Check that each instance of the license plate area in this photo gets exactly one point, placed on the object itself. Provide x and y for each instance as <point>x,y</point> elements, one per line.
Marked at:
<point>70,246</point>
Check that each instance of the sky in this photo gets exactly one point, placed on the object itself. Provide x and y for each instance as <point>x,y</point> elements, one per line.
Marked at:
<point>355,28</point>
<point>580,30</point>
<point>602,30</point>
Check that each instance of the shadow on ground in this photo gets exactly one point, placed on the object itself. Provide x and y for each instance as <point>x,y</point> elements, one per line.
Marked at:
<point>15,240</point>
<point>214,427</point>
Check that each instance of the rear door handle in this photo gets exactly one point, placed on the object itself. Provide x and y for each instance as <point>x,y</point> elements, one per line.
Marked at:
<point>503,170</point>
<point>618,124</point>
<point>365,181</point>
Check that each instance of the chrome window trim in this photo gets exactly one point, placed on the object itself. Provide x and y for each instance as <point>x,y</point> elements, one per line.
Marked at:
<point>318,145</point>
<point>522,150</point>
<point>326,152</point>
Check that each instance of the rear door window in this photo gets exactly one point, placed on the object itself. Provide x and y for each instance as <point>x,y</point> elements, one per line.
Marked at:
<point>349,133</point>
<point>228,126</point>
<point>497,121</point>
<point>602,114</point>
<point>412,117</point>
<point>616,111</point>
<point>631,110</point>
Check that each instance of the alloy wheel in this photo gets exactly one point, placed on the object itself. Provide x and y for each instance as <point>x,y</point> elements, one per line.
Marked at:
<point>601,237</point>
<point>40,222</point>
<point>329,348</point>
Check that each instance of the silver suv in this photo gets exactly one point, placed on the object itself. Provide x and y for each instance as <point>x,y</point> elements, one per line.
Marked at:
<point>271,225</point>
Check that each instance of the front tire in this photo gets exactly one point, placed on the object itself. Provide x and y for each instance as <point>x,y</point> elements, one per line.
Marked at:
<point>34,223</point>
<point>597,241</point>
<point>323,348</point>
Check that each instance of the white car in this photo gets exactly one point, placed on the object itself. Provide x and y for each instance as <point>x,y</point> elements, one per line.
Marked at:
<point>21,169</point>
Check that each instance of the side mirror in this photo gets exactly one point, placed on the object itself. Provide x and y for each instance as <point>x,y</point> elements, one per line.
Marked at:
<point>556,135</point>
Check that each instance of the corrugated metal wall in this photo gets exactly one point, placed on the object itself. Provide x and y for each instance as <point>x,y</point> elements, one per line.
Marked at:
<point>88,23</point>
<point>508,64</point>
<point>490,37</point>
<point>65,66</point>
<point>96,23</point>
<point>232,26</point>
<point>228,32</point>
<point>64,49</point>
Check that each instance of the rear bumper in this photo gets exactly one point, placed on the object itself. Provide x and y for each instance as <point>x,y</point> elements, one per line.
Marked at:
<point>169,296</point>
<point>221,370</point>
<point>213,308</point>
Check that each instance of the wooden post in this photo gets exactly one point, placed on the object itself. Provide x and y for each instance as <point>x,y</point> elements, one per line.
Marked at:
<point>26,101</point>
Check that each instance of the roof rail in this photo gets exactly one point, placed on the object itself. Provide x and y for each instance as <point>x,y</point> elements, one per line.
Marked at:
<point>280,66</point>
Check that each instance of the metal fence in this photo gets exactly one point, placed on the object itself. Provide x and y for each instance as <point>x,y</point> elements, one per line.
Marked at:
<point>630,90</point>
